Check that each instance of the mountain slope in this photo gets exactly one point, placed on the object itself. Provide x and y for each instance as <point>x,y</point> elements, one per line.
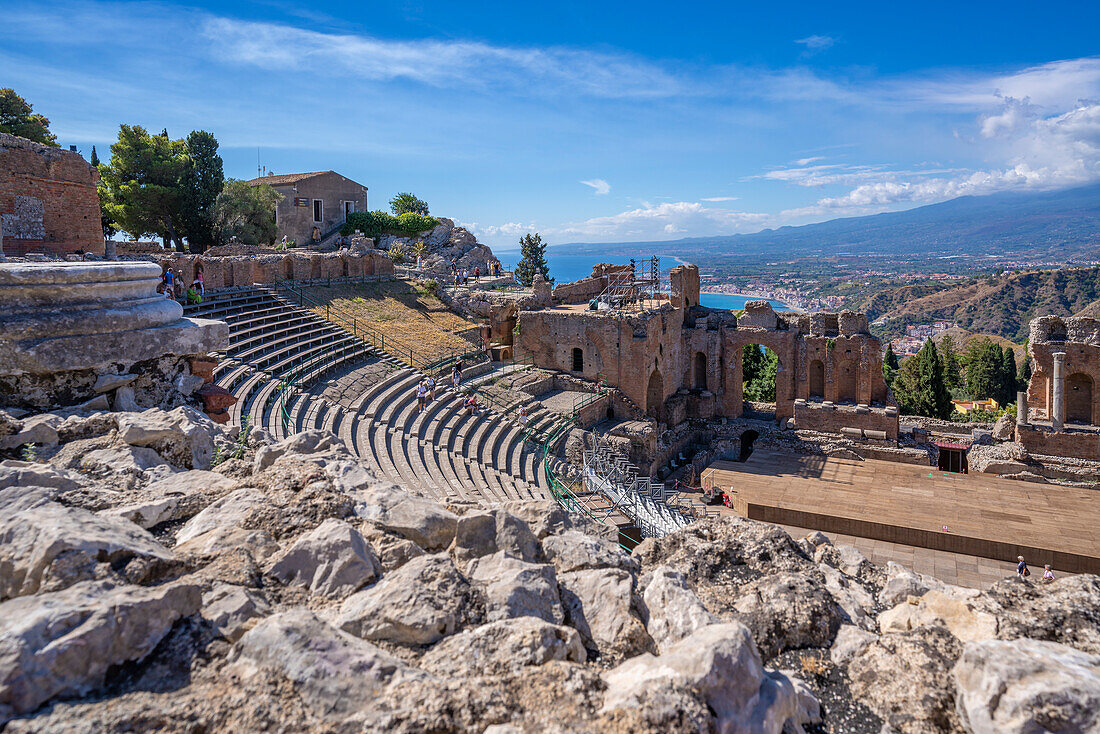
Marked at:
<point>993,305</point>
<point>1064,225</point>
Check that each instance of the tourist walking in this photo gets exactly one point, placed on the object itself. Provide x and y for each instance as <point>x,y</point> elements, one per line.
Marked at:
<point>199,283</point>
<point>419,262</point>
<point>429,381</point>
<point>1048,575</point>
<point>523,415</point>
<point>169,284</point>
<point>1021,568</point>
<point>477,274</point>
<point>179,286</point>
<point>421,395</point>
<point>456,377</point>
<point>459,364</point>
<point>316,236</point>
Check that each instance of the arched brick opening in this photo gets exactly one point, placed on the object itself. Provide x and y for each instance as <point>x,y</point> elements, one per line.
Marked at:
<point>847,385</point>
<point>655,395</point>
<point>700,371</point>
<point>817,379</point>
<point>1079,398</point>
<point>578,359</point>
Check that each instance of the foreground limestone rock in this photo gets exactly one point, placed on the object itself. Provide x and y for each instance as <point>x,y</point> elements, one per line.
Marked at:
<point>721,663</point>
<point>288,589</point>
<point>63,643</point>
<point>1021,686</point>
<point>48,546</point>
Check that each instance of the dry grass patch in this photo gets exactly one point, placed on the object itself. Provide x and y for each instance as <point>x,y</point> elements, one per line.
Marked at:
<point>400,311</point>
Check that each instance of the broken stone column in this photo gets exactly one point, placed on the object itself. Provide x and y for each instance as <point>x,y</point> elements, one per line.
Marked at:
<point>109,252</point>
<point>1058,402</point>
<point>66,324</point>
<point>1021,408</point>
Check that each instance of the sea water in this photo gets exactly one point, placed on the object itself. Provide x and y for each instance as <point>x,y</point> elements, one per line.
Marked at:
<point>566,268</point>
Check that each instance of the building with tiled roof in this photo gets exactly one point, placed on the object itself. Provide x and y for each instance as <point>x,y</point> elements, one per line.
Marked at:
<point>314,203</point>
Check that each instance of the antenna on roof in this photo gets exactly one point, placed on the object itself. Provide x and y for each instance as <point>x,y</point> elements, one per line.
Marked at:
<point>259,169</point>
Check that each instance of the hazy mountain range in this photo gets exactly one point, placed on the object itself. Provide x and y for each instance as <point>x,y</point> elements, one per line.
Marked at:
<point>1062,225</point>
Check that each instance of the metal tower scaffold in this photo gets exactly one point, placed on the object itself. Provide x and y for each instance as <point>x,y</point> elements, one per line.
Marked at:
<point>633,285</point>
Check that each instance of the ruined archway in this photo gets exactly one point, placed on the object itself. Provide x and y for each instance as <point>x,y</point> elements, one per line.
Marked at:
<point>655,395</point>
<point>759,371</point>
<point>817,379</point>
<point>1079,398</point>
<point>847,382</point>
<point>700,371</point>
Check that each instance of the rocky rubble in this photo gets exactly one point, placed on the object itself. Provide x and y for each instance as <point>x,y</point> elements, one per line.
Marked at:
<point>190,579</point>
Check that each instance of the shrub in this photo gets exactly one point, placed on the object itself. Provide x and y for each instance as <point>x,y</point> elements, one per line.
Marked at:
<point>397,254</point>
<point>373,224</point>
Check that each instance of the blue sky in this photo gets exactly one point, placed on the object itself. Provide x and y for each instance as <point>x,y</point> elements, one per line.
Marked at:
<point>591,121</point>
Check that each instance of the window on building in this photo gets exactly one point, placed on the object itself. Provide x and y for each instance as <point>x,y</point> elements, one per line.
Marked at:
<point>318,210</point>
<point>578,359</point>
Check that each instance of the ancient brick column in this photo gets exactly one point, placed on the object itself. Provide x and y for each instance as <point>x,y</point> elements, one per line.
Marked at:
<point>1058,402</point>
<point>1021,408</point>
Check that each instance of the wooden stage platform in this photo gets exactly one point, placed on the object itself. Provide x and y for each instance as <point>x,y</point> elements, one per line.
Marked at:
<point>975,514</point>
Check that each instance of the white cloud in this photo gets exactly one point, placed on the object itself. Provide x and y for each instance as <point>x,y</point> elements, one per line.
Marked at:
<point>599,185</point>
<point>808,161</point>
<point>440,63</point>
<point>660,222</point>
<point>816,43</point>
<point>720,198</point>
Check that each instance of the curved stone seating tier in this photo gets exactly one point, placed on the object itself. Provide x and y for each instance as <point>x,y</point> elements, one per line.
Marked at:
<point>440,452</point>
<point>61,317</point>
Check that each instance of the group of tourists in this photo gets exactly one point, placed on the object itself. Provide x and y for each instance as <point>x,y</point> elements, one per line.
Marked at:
<point>1023,571</point>
<point>462,276</point>
<point>171,286</point>
<point>425,389</point>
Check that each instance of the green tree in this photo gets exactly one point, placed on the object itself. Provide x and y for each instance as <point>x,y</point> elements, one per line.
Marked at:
<point>759,368</point>
<point>109,228</point>
<point>246,212</point>
<point>406,203</point>
<point>202,181</point>
<point>1025,374</point>
<point>952,374</point>
<point>142,184</point>
<point>889,365</point>
<point>919,387</point>
<point>1008,377</point>
<point>984,370</point>
<point>532,260</point>
<point>17,117</point>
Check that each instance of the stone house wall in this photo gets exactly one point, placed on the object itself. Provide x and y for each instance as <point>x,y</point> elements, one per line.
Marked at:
<point>48,199</point>
<point>294,214</point>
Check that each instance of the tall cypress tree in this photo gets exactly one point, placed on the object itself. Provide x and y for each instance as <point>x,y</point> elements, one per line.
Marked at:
<point>890,365</point>
<point>919,387</point>
<point>1008,376</point>
<point>952,375</point>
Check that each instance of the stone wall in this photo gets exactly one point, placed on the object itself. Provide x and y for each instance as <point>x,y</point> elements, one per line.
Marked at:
<point>229,272</point>
<point>48,199</point>
<point>683,361</point>
<point>874,423</point>
<point>1078,338</point>
<point>586,289</point>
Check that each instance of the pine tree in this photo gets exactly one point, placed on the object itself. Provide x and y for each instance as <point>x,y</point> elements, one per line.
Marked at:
<point>984,370</point>
<point>919,387</point>
<point>17,117</point>
<point>201,183</point>
<point>532,260</point>
<point>95,158</point>
<point>1025,374</point>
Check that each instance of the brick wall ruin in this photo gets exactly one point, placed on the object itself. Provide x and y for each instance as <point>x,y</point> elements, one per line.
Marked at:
<point>48,199</point>
<point>235,271</point>
<point>680,360</point>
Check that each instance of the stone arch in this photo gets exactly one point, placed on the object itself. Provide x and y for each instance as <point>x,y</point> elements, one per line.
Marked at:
<point>1079,398</point>
<point>700,380</point>
<point>817,379</point>
<point>655,395</point>
<point>847,381</point>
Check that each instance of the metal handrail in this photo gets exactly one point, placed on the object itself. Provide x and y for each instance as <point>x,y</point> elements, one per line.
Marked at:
<point>429,363</point>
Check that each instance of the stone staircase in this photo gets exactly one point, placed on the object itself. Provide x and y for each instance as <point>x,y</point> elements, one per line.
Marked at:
<point>441,452</point>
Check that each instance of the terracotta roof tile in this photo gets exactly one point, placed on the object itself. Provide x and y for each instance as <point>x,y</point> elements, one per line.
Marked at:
<point>286,178</point>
